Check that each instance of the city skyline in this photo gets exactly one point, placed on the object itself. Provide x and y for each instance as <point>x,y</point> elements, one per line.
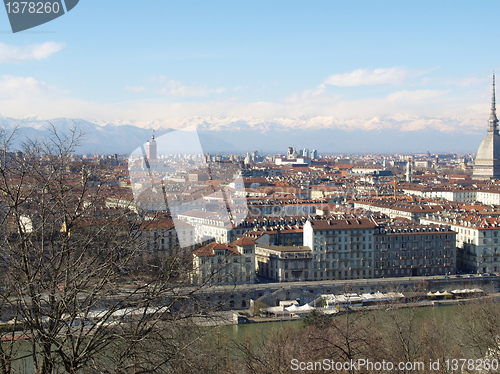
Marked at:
<point>170,168</point>
<point>390,68</point>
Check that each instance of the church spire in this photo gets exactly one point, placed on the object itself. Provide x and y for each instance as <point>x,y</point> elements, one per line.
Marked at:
<point>493,121</point>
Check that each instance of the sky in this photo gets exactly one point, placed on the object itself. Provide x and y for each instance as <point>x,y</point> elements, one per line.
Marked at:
<point>358,65</point>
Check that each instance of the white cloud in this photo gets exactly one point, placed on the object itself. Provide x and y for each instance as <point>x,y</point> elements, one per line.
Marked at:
<point>135,88</point>
<point>393,76</point>
<point>403,110</point>
<point>316,96</point>
<point>474,81</point>
<point>176,89</point>
<point>471,81</point>
<point>21,87</point>
<point>15,54</point>
<point>415,96</point>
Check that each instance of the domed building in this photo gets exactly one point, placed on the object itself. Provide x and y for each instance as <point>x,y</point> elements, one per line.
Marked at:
<point>487,164</point>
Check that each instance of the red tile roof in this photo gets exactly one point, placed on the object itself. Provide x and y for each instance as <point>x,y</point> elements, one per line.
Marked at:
<point>209,249</point>
<point>244,242</point>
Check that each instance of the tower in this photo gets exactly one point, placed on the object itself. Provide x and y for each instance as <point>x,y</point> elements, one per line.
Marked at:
<point>409,171</point>
<point>487,163</point>
<point>151,149</point>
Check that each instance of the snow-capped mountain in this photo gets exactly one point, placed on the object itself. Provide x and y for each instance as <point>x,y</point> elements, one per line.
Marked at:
<point>226,135</point>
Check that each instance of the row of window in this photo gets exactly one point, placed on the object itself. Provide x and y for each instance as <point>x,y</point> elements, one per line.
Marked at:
<point>330,274</point>
<point>343,232</point>
<point>342,255</point>
<point>419,262</point>
<point>344,246</point>
<point>409,246</point>
<point>409,253</point>
<point>227,260</point>
<point>413,238</point>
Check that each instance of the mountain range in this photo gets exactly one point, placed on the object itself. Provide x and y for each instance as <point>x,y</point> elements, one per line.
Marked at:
<point>100,137</point>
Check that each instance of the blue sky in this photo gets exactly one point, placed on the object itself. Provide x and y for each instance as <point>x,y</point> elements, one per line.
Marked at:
<point>355,65</point>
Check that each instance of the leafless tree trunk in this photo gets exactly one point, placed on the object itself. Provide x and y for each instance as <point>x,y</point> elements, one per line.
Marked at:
<point>478,329</point>
<point>342,338</point>
<point>63,257</point>
<point>271,353</point>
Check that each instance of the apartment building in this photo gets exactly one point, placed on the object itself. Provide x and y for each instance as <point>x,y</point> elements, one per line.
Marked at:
<point>282,207</point>
<point>209,225</point>
<point>341,248</point>
<point>489,196</point>
<point>411,250</point>
<point>284,263</point>
<point>477,239</point>
<point>411,211</point>
<point>224,263</point>
<point>450,193</point>
<point>158,235</point>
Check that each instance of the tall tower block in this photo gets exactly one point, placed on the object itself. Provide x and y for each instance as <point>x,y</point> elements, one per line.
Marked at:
<point>151,149</point>
<point>409,171</point>
<point>487,164</point>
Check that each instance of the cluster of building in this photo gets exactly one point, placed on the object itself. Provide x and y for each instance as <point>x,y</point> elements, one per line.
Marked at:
<point>303,216</point>
<point>337,248</point>
<point>424,227</point>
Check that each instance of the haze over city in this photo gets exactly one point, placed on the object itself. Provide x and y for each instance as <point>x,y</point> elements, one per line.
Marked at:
<point>352,72</point>
<point>176,176</point>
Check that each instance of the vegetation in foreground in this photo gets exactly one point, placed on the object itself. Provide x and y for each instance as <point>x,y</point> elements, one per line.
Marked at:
<point>393,335</point>
<point>64,257</point>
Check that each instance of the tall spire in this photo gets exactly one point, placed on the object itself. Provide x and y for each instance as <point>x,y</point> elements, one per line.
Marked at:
<point>492,96</point>
<point>493,121</point>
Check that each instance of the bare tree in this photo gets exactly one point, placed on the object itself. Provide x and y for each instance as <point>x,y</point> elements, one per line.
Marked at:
<point>272,352</point>
<point>65,261</point>
<point>342,338</point>
<point>478,326</point>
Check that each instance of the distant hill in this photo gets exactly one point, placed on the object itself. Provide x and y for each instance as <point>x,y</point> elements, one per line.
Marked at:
<point>123,138</point>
